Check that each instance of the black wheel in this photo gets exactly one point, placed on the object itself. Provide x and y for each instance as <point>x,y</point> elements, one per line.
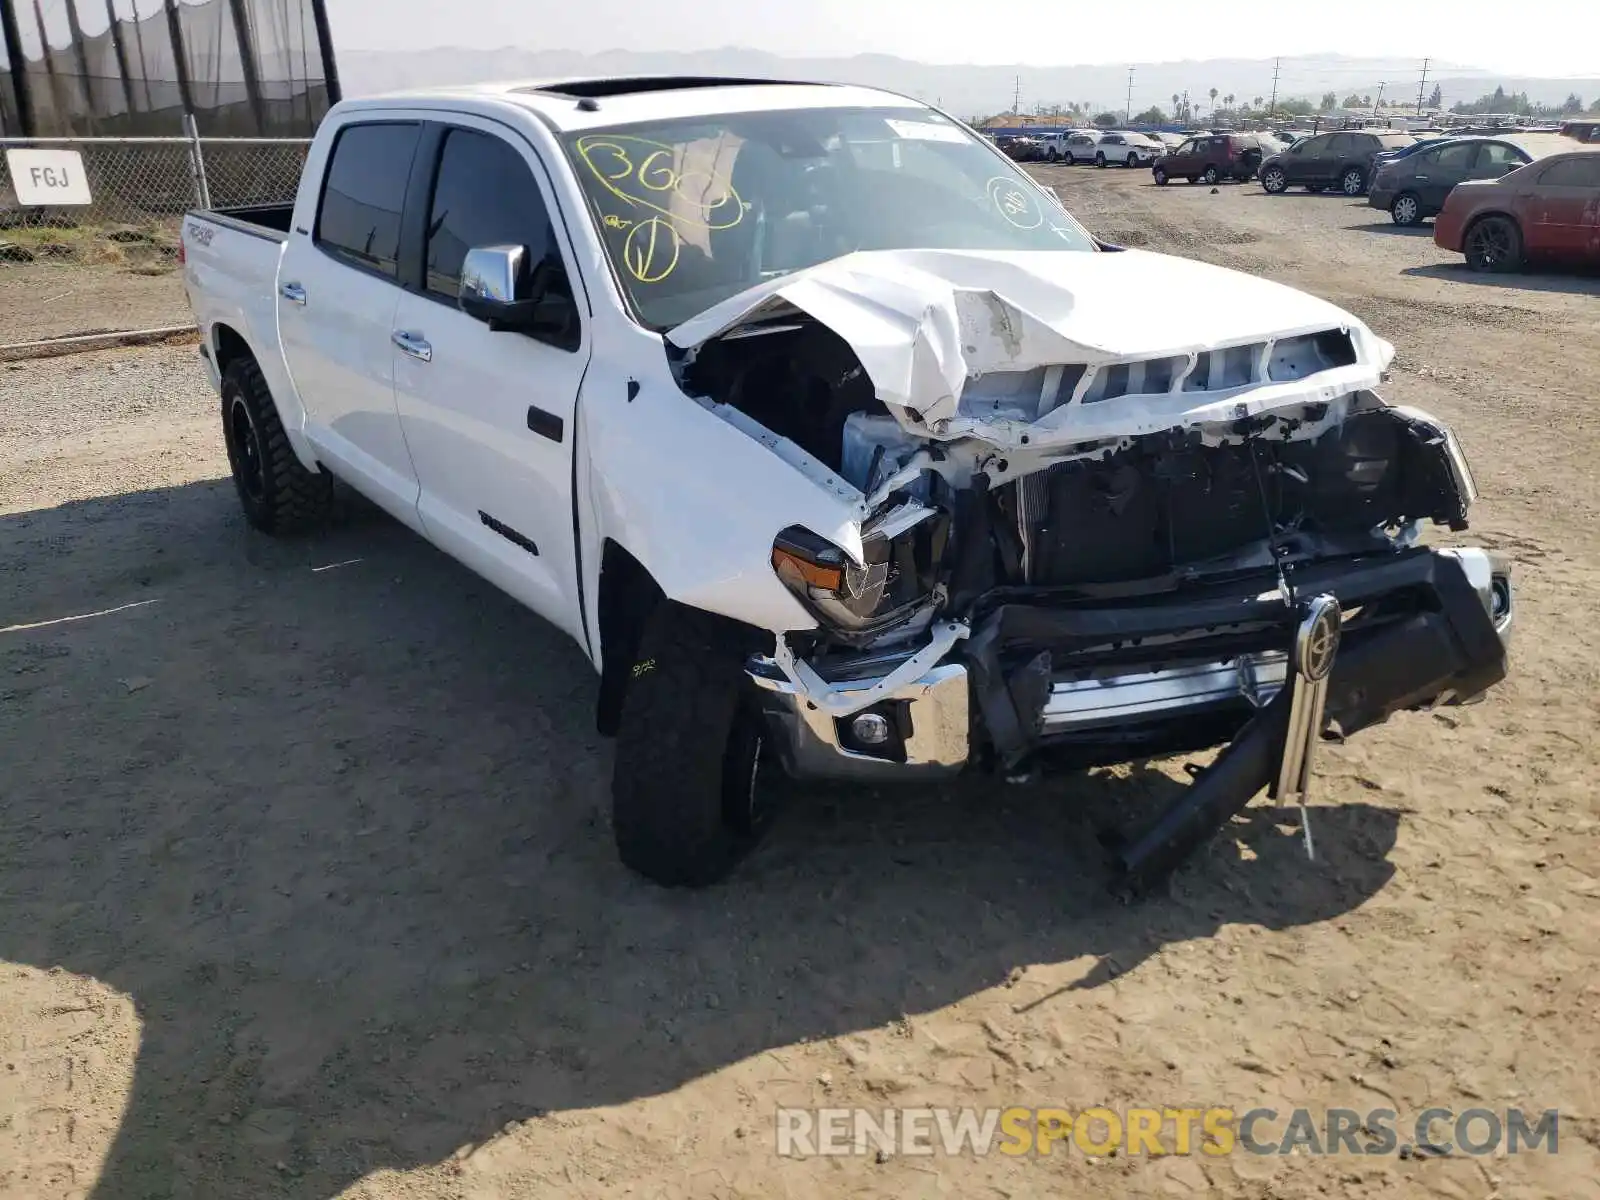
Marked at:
<point>1160,176</point>
<point>1493,244</point>
<point>1353,182</point>
<point>1100,158</point>
<point>685,802</point>
<point>277,493</point>
<point>1133,160</point>
<point>1212,175</point>
<point>1274,181</point>
<point>1051,155</point>
<point>1406,209</point>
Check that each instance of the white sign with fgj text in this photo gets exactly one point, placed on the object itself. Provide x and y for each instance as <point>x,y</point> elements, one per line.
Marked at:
<point>53,177</point>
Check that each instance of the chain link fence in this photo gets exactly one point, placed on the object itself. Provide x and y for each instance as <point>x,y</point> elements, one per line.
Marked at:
<point>110,266</point>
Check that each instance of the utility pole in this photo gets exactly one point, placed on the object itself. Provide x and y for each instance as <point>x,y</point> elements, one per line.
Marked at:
<point>1272,104</point>
<point>1128,112</point>
<point>1421,87</point>
<point>1016,95</point>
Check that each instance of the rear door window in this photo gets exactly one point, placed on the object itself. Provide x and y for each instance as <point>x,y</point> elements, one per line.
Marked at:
<point>485,195</point>
<point>364,194</point>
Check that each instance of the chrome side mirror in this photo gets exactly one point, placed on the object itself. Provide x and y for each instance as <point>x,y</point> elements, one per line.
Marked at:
<point>491,274</point>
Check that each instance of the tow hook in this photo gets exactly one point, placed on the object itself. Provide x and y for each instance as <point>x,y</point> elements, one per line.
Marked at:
<point>1277,744</point>
<point>1316,645</point>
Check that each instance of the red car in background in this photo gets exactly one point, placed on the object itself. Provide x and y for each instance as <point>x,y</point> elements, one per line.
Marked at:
<point>1549,209</point>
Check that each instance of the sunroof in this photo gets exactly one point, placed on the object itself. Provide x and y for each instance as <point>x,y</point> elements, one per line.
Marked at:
<point>594,89</point>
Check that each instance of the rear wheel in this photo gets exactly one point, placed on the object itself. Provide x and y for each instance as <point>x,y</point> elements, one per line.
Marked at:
<point>1274,181</point>
<point>1099,158</point>
<point>1212,175</point>
<point>277,493</point>
<point>1494,244</point>
<point>685,789</point>
<point>1406,209</point>
<point>1353,182</point>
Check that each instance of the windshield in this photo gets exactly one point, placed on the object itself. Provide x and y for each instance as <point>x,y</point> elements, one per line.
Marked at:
<point>694,211</point>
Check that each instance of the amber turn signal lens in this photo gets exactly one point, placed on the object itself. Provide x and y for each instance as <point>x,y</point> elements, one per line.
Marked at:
<point>828,578</point>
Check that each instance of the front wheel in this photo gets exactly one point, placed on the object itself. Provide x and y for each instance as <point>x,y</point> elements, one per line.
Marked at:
<point>1160,176</point>
<point>1133,160</point>
<point>1211,176</point>
<point>1274,181</point>
<point>277,493</point>
<point>1353,182</point>
<point>1494,244</point>
<point>686,801</point>
<point>1405,210</point>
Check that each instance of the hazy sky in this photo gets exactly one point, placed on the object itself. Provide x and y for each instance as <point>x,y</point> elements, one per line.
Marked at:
<point>1536,38</point>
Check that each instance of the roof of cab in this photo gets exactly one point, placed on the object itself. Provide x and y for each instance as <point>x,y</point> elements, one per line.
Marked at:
<point>576,104</point>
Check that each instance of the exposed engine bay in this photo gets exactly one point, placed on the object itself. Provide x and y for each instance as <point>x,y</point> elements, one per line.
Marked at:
<point>1118,515</point>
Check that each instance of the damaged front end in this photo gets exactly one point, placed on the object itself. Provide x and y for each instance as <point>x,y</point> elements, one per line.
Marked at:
<point>1078,541</point>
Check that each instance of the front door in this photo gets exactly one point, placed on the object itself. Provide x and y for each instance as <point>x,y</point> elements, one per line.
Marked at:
<point>337,293</point>
<point>1299,164</point>
<point>489,415</point>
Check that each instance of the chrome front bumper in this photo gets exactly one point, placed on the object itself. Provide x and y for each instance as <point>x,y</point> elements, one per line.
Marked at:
<point>932,715</point>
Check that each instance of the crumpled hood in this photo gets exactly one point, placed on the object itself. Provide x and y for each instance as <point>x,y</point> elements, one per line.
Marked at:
<point>924,322</point>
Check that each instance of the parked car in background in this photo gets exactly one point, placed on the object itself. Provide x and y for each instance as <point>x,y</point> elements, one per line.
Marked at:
<point>1074,146</point>
<point>1548,210</point>
<point>1413,188</point>
<point>1211,157</point>
<point>1127,150</point>
<point>1168,141</point>
<point>1342,160</point>
<point>1416,147</point>
<point>1021,147</point>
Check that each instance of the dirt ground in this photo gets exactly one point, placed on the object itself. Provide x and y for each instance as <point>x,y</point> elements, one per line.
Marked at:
<point>306,886</point>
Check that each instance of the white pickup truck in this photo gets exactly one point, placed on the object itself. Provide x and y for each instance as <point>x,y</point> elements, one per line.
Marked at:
<point>839,445</point>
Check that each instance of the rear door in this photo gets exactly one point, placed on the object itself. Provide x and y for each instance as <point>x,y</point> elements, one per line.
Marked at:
<point>489,415</point>
<point>1437,171</point>
<point>338,288</point>
<point>1563,208</point>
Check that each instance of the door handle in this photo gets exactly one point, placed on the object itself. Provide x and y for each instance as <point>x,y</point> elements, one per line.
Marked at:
<point>293,293</point>
<point>413,344</point>
<point>1420,178</point>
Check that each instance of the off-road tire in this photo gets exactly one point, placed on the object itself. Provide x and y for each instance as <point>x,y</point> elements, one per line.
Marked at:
<point>684,807</point>
<point>278,495</point>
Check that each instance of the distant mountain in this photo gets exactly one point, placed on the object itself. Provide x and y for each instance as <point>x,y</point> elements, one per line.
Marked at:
<point>965,90</point>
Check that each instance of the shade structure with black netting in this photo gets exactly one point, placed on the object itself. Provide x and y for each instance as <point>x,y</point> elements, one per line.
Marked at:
<point>132,68</point>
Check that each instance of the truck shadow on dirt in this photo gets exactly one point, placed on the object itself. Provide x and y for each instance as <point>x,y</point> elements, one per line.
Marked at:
<point>333,814</point>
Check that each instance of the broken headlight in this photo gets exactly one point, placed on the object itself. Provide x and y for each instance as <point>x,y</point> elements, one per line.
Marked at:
<point>889,583</point>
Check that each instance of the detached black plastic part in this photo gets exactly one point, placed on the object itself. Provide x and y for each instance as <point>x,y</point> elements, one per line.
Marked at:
<point>1452,649</point>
